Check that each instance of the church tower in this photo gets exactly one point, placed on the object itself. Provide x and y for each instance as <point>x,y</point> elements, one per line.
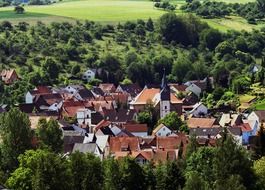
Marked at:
<point>164,97</point>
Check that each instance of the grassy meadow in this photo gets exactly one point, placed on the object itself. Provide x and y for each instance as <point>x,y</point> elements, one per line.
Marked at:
<point>112,11</point>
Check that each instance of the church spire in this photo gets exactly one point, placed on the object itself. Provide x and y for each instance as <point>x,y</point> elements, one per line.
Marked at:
<point>164,80</point>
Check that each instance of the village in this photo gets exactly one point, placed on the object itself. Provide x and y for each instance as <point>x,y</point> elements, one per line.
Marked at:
<point>104,121</point>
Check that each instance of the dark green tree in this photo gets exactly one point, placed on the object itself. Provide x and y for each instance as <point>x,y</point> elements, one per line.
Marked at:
<point>86,170</point>
<point>50,135</point>
<point>41,170</point>
<point>16,137</point>
<point>171,120</point>
<point>111,175</point>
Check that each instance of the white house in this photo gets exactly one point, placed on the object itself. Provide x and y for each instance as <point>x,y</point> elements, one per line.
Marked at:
<point>83,116</point>
<point>89,74</point>
<point>29,98</point>
<point>259,117</point>
<point>73,89</point>
<point>193,88</point>
<point>198,110</point>
<point>162,130</point>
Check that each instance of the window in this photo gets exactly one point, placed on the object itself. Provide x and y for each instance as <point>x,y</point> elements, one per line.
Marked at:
<point>164,129</point>
<point>159,134</point>
<point>165,107</point>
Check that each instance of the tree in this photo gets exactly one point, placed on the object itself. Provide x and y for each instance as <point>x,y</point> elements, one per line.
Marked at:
<point>50,70</point>
<point>50,135</point>
<point>86,170</point>
<point>150,25</point>
<point>201,162</point>
<point>232,159</point>
<point>211,38</point>
<point>171,120</point>
<point>19,10</point>
<point>40,170</point>
<point>16,136</point>
<point>195,181</point>
<point>169,176</point>
<point>259,168</point>
<point>130,172</point>
<point>261,5</point>
<point>259,144</point>
<point>111,175</point>
<point>150,175</point>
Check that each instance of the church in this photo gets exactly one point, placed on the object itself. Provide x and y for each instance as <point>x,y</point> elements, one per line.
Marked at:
<point>161,98</point>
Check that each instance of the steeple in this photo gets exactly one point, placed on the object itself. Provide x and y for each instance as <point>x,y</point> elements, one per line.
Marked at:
<point>164,80</point>
<point>165,90</point>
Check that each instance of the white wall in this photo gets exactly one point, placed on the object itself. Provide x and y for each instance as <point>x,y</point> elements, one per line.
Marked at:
<point>164,131</point>
<point>29,98</point>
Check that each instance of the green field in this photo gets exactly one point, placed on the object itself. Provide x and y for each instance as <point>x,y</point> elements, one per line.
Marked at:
<point>96,10</point>
<point>111,11</point>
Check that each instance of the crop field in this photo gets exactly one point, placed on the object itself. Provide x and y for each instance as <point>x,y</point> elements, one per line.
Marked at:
<point>112,11</point>
<point>96,10</point>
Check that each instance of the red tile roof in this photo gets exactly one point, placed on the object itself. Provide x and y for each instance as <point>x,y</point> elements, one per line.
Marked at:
<point>118,144</point>
<point>134,128</point>
<point>201,122</point>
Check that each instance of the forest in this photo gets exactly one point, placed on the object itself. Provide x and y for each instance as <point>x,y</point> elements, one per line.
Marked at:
<point>133,52</point>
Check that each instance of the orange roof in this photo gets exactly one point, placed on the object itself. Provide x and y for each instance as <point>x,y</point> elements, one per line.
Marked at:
<point>146,95</point>
<point>117,144</point>
<point>71,107</point>
<point>134,128</point>
<point>103,123</point>
<point>171,142</point>
<point>149,94</point>
<point>245,127</point>
<point>201,122</point>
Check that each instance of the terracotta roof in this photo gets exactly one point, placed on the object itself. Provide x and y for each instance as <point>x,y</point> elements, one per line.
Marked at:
<point>153,94</point>
<point>146,95</point>
<point>201,122</point>
<point>41,90</point>
<point>245,127</point>
<point>8,74</point>
<point>134,128</point>
<point>107,88</point>
<point>171,142</point>
<point>86,94</point>
<point>70,108</point>
<point>103,123</point>
<point>118,144</point>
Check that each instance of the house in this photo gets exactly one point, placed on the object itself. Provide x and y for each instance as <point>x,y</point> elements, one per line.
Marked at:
<point>131,89</point>
<point>84,94</point>
<point>103,143</point>
<point>49,102</point>
<point>136,129</point>
<point>202,122</point>
<point>39,90</point>
<point>123,144</point>
<point>73,89</point>
<point>258,116</point>
<point>230,119</point>
<point>70,140</point>
<point>83,116</point>
<point>107,88</point>
<point>89,74</point>
<point>205,132</point>
<point>9,76</point>
<point>120,116</point>
<point>88,148</point>
<point>192,87</point>
<point>199,109</point>
<point>162,130</point>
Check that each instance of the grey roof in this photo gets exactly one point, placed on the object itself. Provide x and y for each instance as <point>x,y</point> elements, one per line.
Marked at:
<point>86,94</point>
<point>205,131</point>
<point>235,131</point>
<point>85,148</point>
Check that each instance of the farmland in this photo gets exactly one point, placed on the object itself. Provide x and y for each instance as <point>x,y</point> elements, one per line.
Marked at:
<point>111,11</point>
